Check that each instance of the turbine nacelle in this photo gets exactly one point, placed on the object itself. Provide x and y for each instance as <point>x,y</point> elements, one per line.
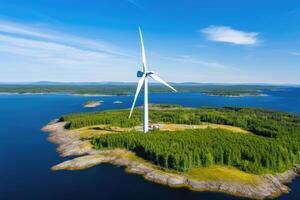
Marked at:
<point>140,74</point>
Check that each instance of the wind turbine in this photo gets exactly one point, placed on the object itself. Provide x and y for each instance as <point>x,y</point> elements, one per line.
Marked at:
<point>143,75</point>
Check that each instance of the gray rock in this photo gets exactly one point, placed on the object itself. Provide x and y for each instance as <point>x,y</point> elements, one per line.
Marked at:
<point>176,180</point>
<point>297,169</point>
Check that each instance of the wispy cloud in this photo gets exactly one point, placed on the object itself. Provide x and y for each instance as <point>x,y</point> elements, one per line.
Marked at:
<point>49,51</point>
<point>294,53</point>
<point>230,35</point>
<point>18,29</point>
<point>37,33</point>
<point>54,47</point>
<point>192,60</point>
<point>57,55</point>
<point>134,3</point>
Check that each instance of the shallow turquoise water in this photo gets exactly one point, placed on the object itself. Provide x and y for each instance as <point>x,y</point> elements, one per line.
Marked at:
<point>26,155</point>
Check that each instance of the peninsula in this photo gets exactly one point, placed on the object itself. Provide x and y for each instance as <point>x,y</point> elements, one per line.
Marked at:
<point>241,151</point>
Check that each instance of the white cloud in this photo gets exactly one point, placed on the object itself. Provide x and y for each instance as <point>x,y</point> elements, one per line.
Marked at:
<point>49,51</point>
<point>9,27</point>
<point>191,60</point>
<point>295,53</point>
<point>229,35</point>
<point>57,55</point>
<point>134,3</point>
<point>38,33</point>
<point>22,40</point>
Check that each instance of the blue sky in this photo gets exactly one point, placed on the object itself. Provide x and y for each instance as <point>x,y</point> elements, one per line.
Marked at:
<point>201,41</point>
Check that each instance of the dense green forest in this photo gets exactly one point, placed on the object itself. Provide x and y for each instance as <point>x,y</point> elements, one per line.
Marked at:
<point>127,88</point>
<point>275,147</point>
<point>183,150</point>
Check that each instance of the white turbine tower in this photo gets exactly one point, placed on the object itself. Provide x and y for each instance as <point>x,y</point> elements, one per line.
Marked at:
<point>144,81</point>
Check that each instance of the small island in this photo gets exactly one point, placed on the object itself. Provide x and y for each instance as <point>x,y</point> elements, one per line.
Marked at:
<point>241,151</point>
<point>92,104</point>
<point>117,102</point>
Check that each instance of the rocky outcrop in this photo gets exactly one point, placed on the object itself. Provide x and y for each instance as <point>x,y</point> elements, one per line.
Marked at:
<point>71,145</point>
<point>297,169</point>
<point>92,104</point>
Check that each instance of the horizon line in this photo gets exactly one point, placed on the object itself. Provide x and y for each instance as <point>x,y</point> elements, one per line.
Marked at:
<point>172,82</point>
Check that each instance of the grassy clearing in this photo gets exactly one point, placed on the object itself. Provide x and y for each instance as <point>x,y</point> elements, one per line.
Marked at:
<point>176,127</point>
<point>222,173</point>
<point>90,131</point>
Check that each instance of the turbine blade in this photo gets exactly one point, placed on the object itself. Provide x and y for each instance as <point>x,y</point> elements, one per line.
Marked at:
<point>143,51</point>
<point>138,89</point>
<point>158,79</point>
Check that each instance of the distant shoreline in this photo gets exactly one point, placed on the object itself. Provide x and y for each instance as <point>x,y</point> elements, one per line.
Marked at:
<point>108,95</point>
<point>26,93</point>
<point>126,89</point>
<point>94,95</point>
<point>45,93</point>
<point>242,95</point>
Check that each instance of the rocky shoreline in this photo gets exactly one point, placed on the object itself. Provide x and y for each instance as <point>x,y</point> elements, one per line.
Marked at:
<point>71,144</point>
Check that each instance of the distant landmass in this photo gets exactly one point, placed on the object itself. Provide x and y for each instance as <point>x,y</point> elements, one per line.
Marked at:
<point>126,88</point>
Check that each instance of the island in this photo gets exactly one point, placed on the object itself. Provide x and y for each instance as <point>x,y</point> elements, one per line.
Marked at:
<point>117,102</point>
<point>246,152</point>
<point>92,104</point>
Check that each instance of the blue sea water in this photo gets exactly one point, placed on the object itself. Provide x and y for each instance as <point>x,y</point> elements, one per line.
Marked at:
<point>26,155</point>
